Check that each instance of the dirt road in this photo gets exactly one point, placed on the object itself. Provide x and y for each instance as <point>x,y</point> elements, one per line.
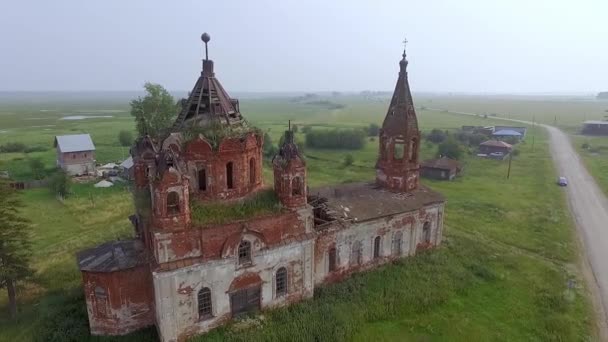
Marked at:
<point>589,208</point>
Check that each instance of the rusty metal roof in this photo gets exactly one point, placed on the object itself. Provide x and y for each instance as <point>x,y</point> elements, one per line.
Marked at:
<point>112,256</point>
<point>366,201</point>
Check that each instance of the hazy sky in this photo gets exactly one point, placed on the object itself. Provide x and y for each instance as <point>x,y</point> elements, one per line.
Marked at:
<point>306,45</point>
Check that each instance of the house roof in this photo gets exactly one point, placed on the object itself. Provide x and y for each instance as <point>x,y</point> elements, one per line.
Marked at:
<point>443,163</point>
<point>127,164</point>
<point>74,143</point>
<point>495,143</point>
<point>507,132</point>
<point>366,201</point>
<point>112,256</point>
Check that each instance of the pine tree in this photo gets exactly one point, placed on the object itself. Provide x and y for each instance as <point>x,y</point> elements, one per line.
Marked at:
<point>15,246</point>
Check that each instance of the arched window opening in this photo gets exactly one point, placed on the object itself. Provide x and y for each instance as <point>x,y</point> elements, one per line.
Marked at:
<point>355,253</point>
<point>202,180</point>
<point>397,238</point>
<point>398,150</point>
<point>281,282</point>
<point>205,309</point>
<point>413,152</point>
<point>229,181</point>
<point>296,186</point>
<point>172,203</point>
<point>377,247</point>
<point>331,254</point>
<point>426,232</point>
<point>244,252</point>
<point>252,171</point>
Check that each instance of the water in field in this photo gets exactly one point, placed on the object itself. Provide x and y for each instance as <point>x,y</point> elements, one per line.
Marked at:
<point>83,117</point>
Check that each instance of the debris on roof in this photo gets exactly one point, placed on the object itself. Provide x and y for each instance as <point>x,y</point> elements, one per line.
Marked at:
<point>112,256</point>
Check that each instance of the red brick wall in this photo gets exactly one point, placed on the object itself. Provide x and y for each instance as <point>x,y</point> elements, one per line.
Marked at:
<point>128,304</point>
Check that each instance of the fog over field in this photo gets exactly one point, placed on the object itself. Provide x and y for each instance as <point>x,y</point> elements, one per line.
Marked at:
<point>514,46</point>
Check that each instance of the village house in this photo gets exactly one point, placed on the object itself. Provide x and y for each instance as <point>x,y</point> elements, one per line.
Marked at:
<point>442,168</point>
<point>75,154</point>
<point>495,147</point>
<point>595,127</point>
<point>186,273</point>
<point>507,134</point>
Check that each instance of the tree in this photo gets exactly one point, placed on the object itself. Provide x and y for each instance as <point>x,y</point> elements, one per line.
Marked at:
<point>60,184</point>
<point>15,245</point>
<point>37,168</point>
<point>155,112</point>
<point>125,138</point>
<point>348,160</point>
<point>294,128</point>
<point>436,136</point>
<point>268,149</point>
<point>373,130</point>
<point>450,148</point>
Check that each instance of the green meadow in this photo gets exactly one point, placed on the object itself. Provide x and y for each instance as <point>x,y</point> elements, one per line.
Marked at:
<point>507,271</point>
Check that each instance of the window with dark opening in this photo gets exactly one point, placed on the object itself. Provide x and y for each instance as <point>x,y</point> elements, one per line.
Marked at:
<point>229,183</point>
<point>281,282</point>
<point>355,254</point>
<point>204,303</point>
<point>397,237</point>
<point>252,171</point>
<point>172,203</point>
<point>377,247</point>
<point>244,252</point>
<point>296,186</point>
<point>398,150</point>
<point>426,232</point>
<point>202,180</point>
<point>101,299</point>
<point>332,259</point>
<point>413,152</point>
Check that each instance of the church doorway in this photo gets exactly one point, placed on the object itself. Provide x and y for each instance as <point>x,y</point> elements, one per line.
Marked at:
<point>245,301</point>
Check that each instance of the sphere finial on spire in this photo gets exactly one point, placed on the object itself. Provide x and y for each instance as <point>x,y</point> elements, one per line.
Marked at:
<point>205,37</point>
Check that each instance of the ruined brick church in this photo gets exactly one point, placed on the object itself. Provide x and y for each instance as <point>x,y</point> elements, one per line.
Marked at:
<point>186,273</point>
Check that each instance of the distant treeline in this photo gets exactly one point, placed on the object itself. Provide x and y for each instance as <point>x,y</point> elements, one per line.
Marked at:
<point>602,95</point>
<point>20,147</point>
<point>352,139</point>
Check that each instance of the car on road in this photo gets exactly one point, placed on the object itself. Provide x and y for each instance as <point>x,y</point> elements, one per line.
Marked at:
<point>562,181</point>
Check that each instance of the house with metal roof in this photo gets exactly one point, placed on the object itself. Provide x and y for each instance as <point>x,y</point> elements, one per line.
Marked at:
<point>442,168</point>
<point>507,133</point>
<point>595,127</point>
<point>75,154</point>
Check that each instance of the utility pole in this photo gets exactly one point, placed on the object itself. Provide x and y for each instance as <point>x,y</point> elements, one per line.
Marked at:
<point>532,143</point>
<point>509,170</point>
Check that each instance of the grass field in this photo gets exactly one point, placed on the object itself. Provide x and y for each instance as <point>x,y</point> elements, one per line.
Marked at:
<point>503,273</point>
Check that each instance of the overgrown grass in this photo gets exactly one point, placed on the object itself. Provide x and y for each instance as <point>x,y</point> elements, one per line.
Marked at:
<point>595,157</point>
<point>265,202</point>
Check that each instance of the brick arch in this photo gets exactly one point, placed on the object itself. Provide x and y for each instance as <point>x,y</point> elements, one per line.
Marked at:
<point>199,147</point>
<point>244,281</point>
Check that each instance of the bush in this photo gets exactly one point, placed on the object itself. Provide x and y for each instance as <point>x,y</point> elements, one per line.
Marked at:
<point>373,130</point>
<point>436,136</point>
<point>515,152</point>
<point>585,145</point>
<point>36,148</point>
<point>268,149</point>
<point>348,160</point>
<point>60,184</point>
<point>352,139</point>
<point>306,129</point>
<point>12,147</point>
<point>450,148</point>
<point>37,168</point>
<point>294,128</point>
<point>125,138</point>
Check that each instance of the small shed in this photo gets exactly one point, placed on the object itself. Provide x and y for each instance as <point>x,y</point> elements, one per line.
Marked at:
<point>595,127</point>
<point>126,168</point>
<point>443,168</point>
<point>495,146</point>
<point>75,154</point>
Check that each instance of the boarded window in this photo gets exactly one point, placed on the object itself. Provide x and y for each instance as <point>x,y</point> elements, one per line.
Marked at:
<point>397,238</point>
<point>281,282</point>
<point>229,180</point>
<point>332,259</point>
<point>252,171</point>
<point>398,150</point>
<point>172,203</point>
<point>355,253</point>
<point>296,186</point>
<point>205,309</point>
<point>101,301</point>
<point>244,252</point>
<point>202,180</point>
<point>377,247</point>
<point>426,232</point>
